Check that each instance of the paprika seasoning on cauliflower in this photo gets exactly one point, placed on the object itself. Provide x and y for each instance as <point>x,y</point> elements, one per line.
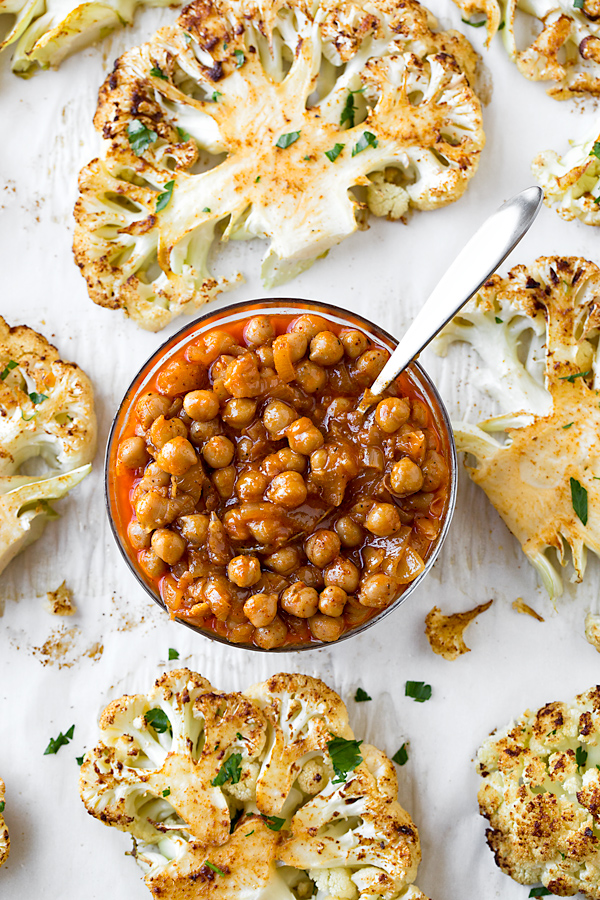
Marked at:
<point>4,836</point>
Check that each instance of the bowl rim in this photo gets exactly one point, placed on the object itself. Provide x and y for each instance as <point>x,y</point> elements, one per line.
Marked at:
<point>423,380</point>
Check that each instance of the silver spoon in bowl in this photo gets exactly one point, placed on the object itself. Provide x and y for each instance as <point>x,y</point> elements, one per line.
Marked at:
<point>479,259</point>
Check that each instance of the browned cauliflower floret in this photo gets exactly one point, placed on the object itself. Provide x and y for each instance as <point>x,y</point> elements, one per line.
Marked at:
<point>4,837</point>
<point>445,633</point>
<point>304,102</point>
<point>541,795</point>
<point>571,183</point>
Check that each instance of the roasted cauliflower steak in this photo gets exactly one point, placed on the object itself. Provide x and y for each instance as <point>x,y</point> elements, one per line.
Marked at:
<point>259,120</point>
<point>47,408</point>
<point>537,333</point>
<point>225,794</point>
<point>541,795</point>
<point>4,836</point>
<point>571,183</point>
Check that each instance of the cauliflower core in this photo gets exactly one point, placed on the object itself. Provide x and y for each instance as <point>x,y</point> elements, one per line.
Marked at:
<point>541,795</point>
<point>258,120</point>
<point>445,633</point>
<point>4,837</point>
<point>47,413</point>
<point>537,331</point>
<point>566,47</point>
<point>228,792</point>
<point>572,183</point>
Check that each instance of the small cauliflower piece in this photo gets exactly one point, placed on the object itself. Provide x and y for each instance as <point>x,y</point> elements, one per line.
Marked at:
<point>445,633</point>
<point>4,836</point>
<point>592,629</point>
<point>374,99</point>
<point>60,602</point>
<point>544,478</point>
<point>526,610</point>
<point>571,183</point>
<point>541,795</point>
<point>334,884</point>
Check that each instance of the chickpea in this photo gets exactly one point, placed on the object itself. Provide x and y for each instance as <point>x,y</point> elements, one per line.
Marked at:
<point>289,489</point>
<point>383,519</point>
<point>284,561</point>
<point>310,376</point>
<point>152,510</point>
<point>322,547</point>
<point>218,596</point>
<point>285,460</point>
<point>277,416</point>
<point>219,368</point>
<point>391,413</point>
<point>163,430</point>
<point>300,600</point>
<point>244,571</point>
<point>406,477</point>
<point>224,481</point>
<point>326,628</point>
<point>370,364</point>
<point>303,436</point>
<point>340,407</point>
<point>377,591</point>
<point>138,537</point>
<point>203,431</point>
<point>309,325</point>
<point>435,471</point>
<point>206,349</point>
<point>354,342</point>
<point>154,478</point>
<point>179,377</point>
<point>273,635</point>
<point>342,573</point>
<point>177,456</point>
<point>194,528</point>
<point>239,412</point>
<point>419,414</point>
<point>326,349</point>
<point>310,575</point>
<point>168,545</point>
<point>265,531</point>
<point>358,511</point>
<point>149,407</point>
<point>151,564</point>
<point>295,342</point>
<point>259,330</point>
<point>241,633</point>
<point>202,406</point>
<point>349,532</point>
<point>261,609</point>
<point>242,378</point>
<point>250,486</point>
<point>218,451</point>
<point>332,601</point>
<point>132,452</point>
<point>265,355</point>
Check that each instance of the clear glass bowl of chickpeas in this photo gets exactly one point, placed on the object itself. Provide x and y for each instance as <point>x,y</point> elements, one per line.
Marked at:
<point>253,495</point>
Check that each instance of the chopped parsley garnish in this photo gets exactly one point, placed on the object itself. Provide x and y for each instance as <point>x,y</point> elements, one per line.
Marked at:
<point>475,24</point>
<point>231,770</point>
<point>79,759</point>
<point>361,696</point>
<point>286,140</point>
<point>345,756</point>
<point>62,740</point>
<point>596,200</point>
<point>274,823</point>
<point>139,136</point>
<point>235,819</point>
<point>206,209</point>
<point>249,833</point>
<point>214,868</point>
<point>9,366</point>
<point>173,654</point>
<point>595,151</point>
<point>257,179</point>
<point>240,59</point>
<point>579,499</point>
<point>564,427</point>
<point>499,321</point>
<point>578,4</point>
<point>348,111</point>
<point>539,892</point>
<point>159,720</point>
<point>367,139</point>
<point>158,73</point>
<point>215,96</point>
<point>37,398</point>
<point>166,792</point>
<point>2,806</point>
<point>501,26</point>
<point>183,135</point>
<point>187,37</point>
<point>418,690</point>
<point>333,154</point>
<point>401,755</point>
<point>571,378</point>
<point>580,756</point>
<point>164,198</point>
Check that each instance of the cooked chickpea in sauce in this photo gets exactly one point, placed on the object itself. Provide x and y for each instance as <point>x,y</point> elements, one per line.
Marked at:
<point>260,501</point>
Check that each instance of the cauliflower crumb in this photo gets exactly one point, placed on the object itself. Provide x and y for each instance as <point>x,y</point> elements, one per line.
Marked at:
<point>522,607</point>
<point>334,884</point>
<point>313,777</point>
<point>445,633</point>
<point>60,602</point>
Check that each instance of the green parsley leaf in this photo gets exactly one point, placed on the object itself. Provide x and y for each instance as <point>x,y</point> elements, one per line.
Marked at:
<point>139,136</point>
<point>564,427</point>
<point>27,418</point>
<point>231,770</point>
<point>79,759</point>
<point>164,198</point>
<point>501,26</point>
<point>596,200</point>
<point>158,73</point>
<point>225,45</point>
<point>159,720</point>
<point>206,209</point>
<point>214,868</point>
<point>274,823</point>
<point>539,892</point>
<point>401,755</point>
<point>9,366</point>
<point>183,135</point>
<point>240,58</point>
<point>173,654</point>
<point>37,398</point>
<point>257,179</point>
<point>418,690</point>
<point>348,111</point>
<point>239,736</point>
<point>345,756</point>
<point>62,740</point>
<point>286,140</point>
<point>475,24</point>
<point>580,756</point>
<point>578,4</point>
<point>361,696</point>
<point>499,321</point>
<point>215,96</point>
<point>333,154</point>
<point>571,378</point>
<point>187,37</point>
<point>166,792</point>
<point>235,819</point>
<point>249,833</point>
<point>367,139</point>
<point>579,499</point>
<point>2,806</point>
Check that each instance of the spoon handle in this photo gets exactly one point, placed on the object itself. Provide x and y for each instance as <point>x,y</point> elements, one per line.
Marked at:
<point>488,247</point>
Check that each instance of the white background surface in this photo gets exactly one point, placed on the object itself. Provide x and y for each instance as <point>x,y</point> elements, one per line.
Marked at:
<point>57,849</point>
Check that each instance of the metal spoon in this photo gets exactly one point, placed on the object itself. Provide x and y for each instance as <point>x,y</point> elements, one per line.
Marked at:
<point>488,247</point>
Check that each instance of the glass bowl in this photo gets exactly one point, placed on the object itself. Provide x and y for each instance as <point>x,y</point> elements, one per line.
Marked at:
<point>234,314</point>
